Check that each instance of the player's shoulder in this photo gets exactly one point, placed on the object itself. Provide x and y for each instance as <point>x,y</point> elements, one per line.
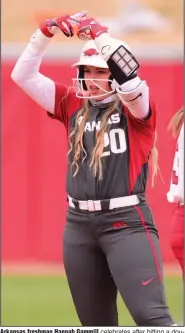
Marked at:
<point>65,92</point>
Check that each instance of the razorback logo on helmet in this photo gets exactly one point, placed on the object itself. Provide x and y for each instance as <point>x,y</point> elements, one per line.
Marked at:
<point>90,52</point>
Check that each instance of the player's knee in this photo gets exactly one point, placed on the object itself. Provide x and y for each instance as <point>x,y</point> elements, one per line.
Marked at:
<point>145,316</point>
<point>142,318</point>
<point>140,315</point>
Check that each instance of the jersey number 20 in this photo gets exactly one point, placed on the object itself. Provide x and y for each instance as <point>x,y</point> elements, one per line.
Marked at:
<point>115,141</point>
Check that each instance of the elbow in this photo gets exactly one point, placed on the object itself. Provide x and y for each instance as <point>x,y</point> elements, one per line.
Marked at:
<point>18,75</point>
<point>15,76</point>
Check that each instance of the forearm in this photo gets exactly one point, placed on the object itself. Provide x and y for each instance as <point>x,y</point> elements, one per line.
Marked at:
<point>26,73</point>
<point>133,92</point>
<point>135,96</point>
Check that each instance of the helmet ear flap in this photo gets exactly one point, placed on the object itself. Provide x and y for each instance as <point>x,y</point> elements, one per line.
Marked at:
<point>81,76</point>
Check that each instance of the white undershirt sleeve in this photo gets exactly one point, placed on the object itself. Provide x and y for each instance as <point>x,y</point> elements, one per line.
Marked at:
<point>26,73</point>
<point>135,96</point>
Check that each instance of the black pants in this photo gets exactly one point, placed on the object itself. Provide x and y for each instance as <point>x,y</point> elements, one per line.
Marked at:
<point>115,250</point>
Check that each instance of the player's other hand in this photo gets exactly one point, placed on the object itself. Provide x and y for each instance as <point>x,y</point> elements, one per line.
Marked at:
<point>64,23</point>
<point>89,28</point>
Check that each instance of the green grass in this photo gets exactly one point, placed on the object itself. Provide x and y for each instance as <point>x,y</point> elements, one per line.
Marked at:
<point>46,301</point>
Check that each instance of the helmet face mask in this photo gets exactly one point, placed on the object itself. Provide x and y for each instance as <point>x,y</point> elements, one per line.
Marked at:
<point>82,92</point>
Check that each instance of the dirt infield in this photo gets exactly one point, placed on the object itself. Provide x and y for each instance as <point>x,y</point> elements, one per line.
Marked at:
<point>40,268</point>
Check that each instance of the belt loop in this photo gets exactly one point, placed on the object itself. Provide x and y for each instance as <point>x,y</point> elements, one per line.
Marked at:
<point>141,197</point>
<point>70,200</point>
<point>91,205</point>
<point>105,204</point>
<point>75,203</point>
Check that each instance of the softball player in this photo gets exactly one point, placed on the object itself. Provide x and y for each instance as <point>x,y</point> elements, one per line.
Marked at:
<point>110,240</point>
<point>176,191</point>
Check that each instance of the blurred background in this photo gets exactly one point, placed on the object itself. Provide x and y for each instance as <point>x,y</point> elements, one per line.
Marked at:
<point>34,288</point>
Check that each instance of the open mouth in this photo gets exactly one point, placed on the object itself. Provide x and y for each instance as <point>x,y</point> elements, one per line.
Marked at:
<point>94,89</point>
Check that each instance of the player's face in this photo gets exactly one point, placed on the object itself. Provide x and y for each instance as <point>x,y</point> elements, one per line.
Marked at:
<point>97,87</point>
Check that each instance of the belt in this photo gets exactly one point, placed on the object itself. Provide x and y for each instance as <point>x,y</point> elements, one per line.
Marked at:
<point>107,204</point>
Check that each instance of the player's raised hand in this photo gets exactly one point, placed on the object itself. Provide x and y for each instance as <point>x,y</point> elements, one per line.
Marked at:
<point>89,28</point>
<point>64,23</point>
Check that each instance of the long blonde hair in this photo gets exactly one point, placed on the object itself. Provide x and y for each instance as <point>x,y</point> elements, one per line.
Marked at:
<point>76,142</point>
<point>176,122</point>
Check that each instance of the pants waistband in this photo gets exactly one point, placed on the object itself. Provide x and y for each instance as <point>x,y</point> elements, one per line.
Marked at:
<point>108,204</point>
